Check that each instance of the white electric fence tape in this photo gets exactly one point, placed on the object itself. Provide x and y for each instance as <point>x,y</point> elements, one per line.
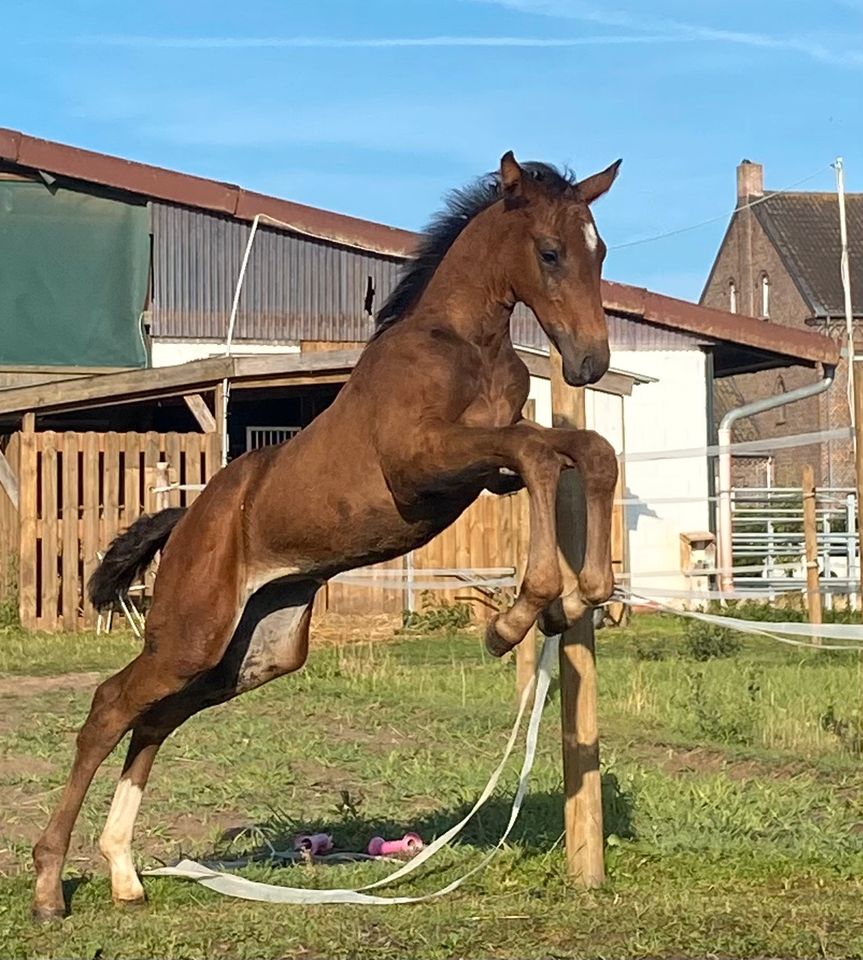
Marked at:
<point>775,631</point>
<point>234,886</point>
<point>744,447</point>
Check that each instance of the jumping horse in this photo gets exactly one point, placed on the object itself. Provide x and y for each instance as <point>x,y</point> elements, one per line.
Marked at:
<point>430,417</point>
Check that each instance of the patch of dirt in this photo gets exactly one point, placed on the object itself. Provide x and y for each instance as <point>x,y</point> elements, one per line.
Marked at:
<point>337,628</point>
<point>681,760</point>
<point>32,686</point>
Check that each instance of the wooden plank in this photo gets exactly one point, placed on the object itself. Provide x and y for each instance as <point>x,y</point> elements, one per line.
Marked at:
<point>90,539</point>
<point>201,412</point>
<point>28,422</point>
<point>111,489</point>
<point>578,681</point>
<point>50,522</point>
<point>191,445</point>
<point>69,531</point>
<point>212,455</point>
<point>152,456</point>
<point>8,480</point>
<point>132,479</point>
<point>27,531</point>
<point>9,523</point>
<point>176,472</point>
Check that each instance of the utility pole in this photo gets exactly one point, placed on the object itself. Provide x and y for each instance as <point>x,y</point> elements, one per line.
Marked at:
<point>855,373</point>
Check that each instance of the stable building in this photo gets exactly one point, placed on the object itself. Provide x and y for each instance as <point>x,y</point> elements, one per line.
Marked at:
<point>128,343</point>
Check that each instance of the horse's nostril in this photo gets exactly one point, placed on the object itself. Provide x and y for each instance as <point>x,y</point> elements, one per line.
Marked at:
<point>587,369</point>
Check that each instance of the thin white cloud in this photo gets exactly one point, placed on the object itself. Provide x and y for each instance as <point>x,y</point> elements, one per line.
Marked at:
<point>259,43</point>
<point>682,30</point>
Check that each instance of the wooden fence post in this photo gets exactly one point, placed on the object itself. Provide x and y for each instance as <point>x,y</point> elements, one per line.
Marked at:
<point>810,532</point>
<point>578,683</point>
<point>858,460</point>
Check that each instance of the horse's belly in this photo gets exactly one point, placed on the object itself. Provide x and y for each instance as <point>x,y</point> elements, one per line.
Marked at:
<point>271,638</point>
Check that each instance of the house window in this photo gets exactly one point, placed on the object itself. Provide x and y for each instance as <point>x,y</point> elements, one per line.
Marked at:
<point>732,296</point>
<point>765,296</point>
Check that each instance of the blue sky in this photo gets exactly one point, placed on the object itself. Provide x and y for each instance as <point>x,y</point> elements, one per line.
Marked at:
<point>376,108</point>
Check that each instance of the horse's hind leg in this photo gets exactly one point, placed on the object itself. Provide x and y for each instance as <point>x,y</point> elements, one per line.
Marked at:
<point>116,839</point>
<point>117,703</point>
<point>269,642</point>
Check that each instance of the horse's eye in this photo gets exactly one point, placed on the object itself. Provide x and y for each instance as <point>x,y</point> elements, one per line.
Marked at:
<point>548,256</point>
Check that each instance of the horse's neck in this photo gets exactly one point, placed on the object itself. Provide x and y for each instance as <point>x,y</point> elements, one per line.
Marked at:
<point>469,292</point>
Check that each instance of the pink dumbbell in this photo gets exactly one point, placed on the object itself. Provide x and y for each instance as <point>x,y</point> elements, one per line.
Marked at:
<point>410,844</point>
<point>314,843</point>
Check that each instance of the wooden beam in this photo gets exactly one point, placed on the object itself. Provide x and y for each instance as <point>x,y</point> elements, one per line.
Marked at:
<point>200,411</point>
<point>8,480</point>
<point>177,380</point>
<point>578,683</point>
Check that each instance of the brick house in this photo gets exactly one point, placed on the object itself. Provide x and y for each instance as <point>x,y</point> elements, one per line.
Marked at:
<point>779,261</point>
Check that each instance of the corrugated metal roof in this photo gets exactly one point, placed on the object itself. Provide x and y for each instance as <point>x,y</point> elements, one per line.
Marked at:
<point>624,333</point>
<point>300,288</point>
<point>296,287</point>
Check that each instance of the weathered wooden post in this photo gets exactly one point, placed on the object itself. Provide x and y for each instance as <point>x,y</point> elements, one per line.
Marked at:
<point>578,682</point>
<point>810,533</point>
<point>858,458</point>
<point>525,652</point>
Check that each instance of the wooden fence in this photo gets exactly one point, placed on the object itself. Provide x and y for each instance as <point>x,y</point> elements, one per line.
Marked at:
<point>492,532</point>
<point>76,492</point>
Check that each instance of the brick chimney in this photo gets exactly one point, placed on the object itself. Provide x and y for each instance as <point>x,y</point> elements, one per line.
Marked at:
<point>750,181</point>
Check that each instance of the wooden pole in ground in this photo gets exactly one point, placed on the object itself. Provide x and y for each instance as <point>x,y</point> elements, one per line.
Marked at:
<point>810,532</point>
<point>858,459</point>
<point>525,652</point>
<point>578,686</point>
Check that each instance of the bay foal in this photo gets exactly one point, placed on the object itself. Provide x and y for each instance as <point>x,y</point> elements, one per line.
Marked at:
<point>430,417</point>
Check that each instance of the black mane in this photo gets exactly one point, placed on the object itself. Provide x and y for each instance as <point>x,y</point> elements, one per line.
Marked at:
<point>461,207</point>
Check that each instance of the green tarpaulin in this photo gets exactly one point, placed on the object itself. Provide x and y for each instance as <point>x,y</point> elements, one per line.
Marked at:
<point>73,277</point>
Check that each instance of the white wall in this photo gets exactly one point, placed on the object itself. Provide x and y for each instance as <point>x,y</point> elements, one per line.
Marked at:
<point>540,393</point>
<point>664,415</point>
<point>167,353</point>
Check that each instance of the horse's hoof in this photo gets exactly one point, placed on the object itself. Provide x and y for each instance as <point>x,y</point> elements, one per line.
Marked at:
<point>552,621</point>
<point>496,645</point>
<point>43,914</point>
<point>130,905</point>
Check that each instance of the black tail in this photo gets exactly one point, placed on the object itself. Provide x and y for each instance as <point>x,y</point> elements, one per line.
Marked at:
<point>130,554</point>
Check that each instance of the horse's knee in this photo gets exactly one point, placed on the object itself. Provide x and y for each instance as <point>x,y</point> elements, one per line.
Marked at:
<point>541,587</point>
<point>600,461</point>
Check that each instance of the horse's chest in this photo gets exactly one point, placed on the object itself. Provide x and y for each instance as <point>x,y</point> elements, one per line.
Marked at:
<point>499,400</point>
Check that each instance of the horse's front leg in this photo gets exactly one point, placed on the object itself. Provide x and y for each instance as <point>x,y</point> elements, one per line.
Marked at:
<point>448,455</point>
<point>596,462</point>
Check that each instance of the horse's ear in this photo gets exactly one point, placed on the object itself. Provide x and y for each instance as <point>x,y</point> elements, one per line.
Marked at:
<point>594,187</point>
<point>510,176</point>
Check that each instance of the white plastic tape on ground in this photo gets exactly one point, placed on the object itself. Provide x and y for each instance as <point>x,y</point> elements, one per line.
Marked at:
<point>783,632</point>
<point>234,886</point>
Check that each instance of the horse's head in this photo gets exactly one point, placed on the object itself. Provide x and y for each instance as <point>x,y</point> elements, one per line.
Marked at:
<point>559,260</point>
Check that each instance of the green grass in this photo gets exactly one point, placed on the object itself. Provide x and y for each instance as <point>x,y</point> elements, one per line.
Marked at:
<point>734,818</point>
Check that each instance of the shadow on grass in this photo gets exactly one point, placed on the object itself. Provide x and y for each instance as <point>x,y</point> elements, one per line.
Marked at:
<point>538,829</point>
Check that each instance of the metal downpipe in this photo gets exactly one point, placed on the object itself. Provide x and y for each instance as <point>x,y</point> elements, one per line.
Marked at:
<point>726,577</point>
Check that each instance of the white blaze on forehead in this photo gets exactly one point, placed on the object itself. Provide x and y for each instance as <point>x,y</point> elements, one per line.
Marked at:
<point>590,237</point>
